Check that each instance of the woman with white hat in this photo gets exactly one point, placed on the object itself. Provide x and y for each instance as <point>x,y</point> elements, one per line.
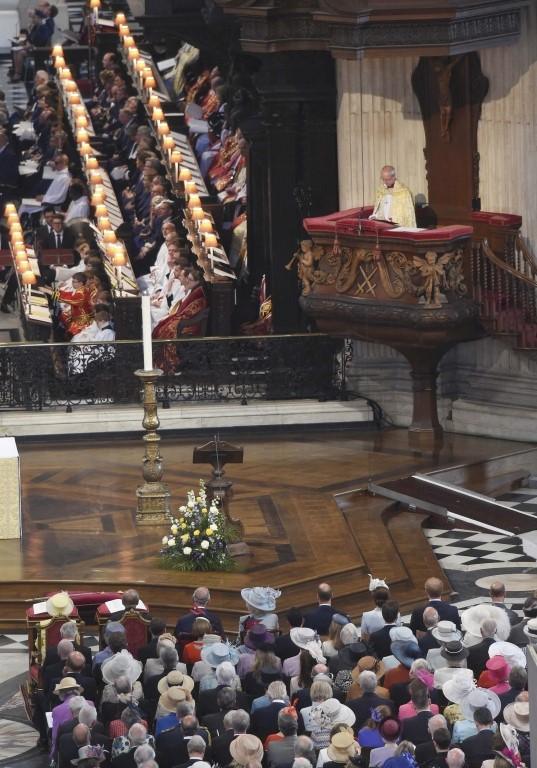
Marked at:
<point>261,606</point>
<point>324,717</point>
<point>310,654</point>
<point>122,665</point>
<point>372,621</point>
<point>474,699</point>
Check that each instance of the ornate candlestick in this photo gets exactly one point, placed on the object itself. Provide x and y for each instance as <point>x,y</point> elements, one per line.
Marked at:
<point>153,496</point>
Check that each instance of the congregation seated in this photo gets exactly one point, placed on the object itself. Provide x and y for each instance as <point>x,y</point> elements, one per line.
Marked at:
<point>371,710</point>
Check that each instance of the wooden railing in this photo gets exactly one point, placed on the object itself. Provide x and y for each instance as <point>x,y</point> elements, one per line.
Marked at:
<point>506,292</point>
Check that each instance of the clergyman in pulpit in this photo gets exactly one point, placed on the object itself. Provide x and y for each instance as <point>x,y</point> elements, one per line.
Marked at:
<point>394,200</point>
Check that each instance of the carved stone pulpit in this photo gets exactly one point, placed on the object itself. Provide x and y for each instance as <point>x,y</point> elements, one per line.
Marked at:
<point>408,288</point>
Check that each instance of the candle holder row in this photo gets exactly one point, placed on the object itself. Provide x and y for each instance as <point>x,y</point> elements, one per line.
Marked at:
<point>80,121</point>
<point>201,232</point>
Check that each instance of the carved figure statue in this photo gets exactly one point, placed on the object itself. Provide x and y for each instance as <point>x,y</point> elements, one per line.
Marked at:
<point>432,269</point>
<point>307,257</point>
<point>443,68</point>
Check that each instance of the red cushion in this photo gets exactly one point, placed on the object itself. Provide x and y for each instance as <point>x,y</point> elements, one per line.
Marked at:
<point>507,220</point>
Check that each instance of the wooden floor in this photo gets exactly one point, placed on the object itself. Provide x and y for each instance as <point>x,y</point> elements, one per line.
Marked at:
<point>299,494</point>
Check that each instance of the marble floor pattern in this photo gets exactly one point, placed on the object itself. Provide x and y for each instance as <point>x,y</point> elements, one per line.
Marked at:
<point>18,737</point>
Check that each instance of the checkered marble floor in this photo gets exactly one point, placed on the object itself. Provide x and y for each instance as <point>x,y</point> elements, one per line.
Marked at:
<point>465,550</point>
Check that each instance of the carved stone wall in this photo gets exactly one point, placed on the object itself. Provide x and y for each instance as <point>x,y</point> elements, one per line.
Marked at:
<point>485,387</point>
<point>379,123</point>
<point>507,136</point>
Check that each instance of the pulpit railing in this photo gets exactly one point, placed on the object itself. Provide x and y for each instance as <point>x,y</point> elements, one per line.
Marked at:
<point>39,376</point>
<point>506,293</point>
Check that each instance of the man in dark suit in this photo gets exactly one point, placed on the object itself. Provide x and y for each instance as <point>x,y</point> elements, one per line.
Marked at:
<point>428,641</point>
<point>433,589</point>
<point>380,640</point>
<point>363,705</point>
<point>58,236</point>
<point>441,742</point>
<point>264,720</point>
<point>9,167</point>
<point>415,729</point>
<point>214,722</point>
<point>425,752</point>
<point>236,723</point>
<point>497,598</point>
<point>156,628</point>
<point>284,647</point>
<point>480,747</point>
<point>200,600</point>
<point>172,745</point>
<point>195,748</point>
<point>479,653</point>
<point>74,667</point>
<point>319,618</point>
<point>69,743</point>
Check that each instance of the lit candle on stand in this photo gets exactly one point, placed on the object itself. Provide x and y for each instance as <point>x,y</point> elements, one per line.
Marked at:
<point>175,159</point>
<point>146,333</point>
<point>95,5</point>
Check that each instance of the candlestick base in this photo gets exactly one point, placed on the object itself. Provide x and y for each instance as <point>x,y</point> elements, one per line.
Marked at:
<point>153,497</point>
<point>153,504</point>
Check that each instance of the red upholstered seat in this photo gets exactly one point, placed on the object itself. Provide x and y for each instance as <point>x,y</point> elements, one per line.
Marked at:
<point>136,631</point>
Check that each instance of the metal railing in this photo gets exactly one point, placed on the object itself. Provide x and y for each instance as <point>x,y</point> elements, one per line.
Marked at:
<point>40,376</point>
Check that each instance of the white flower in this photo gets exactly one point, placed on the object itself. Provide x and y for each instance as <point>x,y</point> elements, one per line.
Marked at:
<point>171,542</point>
<point>164,539</point>
<point>213,527</point>
<point>204,544</point>
<point>174,529</point>
<point>182,509</point>
<point>190,504</point>
<point>187,550</point>
<point>214,509</point>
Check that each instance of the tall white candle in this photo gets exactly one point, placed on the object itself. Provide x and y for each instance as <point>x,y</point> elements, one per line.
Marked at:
<point>146,331</point>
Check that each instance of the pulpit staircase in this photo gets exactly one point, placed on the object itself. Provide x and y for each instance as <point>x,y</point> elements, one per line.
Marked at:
<point>505,287</point>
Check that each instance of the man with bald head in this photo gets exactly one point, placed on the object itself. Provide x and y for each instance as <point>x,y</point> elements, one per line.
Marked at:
<point>426,751</point>
<point>75,667</point>
<point>479,653</point>
<point>447,612</point>
<point>320,617</point>
<point>200,601</point>
<point>394,201</point>
<point>428,641</point>
<point>497,597</point>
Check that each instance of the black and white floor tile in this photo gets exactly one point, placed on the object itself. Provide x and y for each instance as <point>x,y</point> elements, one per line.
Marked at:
<point>461,549</point>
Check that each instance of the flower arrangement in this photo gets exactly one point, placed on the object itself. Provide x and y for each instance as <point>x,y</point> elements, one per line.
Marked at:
<point>199,536</point>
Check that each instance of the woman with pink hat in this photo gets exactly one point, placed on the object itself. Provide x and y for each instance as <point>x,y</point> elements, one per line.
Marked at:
<point>496,675</point>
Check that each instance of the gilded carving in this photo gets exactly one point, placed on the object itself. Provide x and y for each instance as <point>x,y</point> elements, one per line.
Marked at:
<point>351,269</point>
<point>307,257</point>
